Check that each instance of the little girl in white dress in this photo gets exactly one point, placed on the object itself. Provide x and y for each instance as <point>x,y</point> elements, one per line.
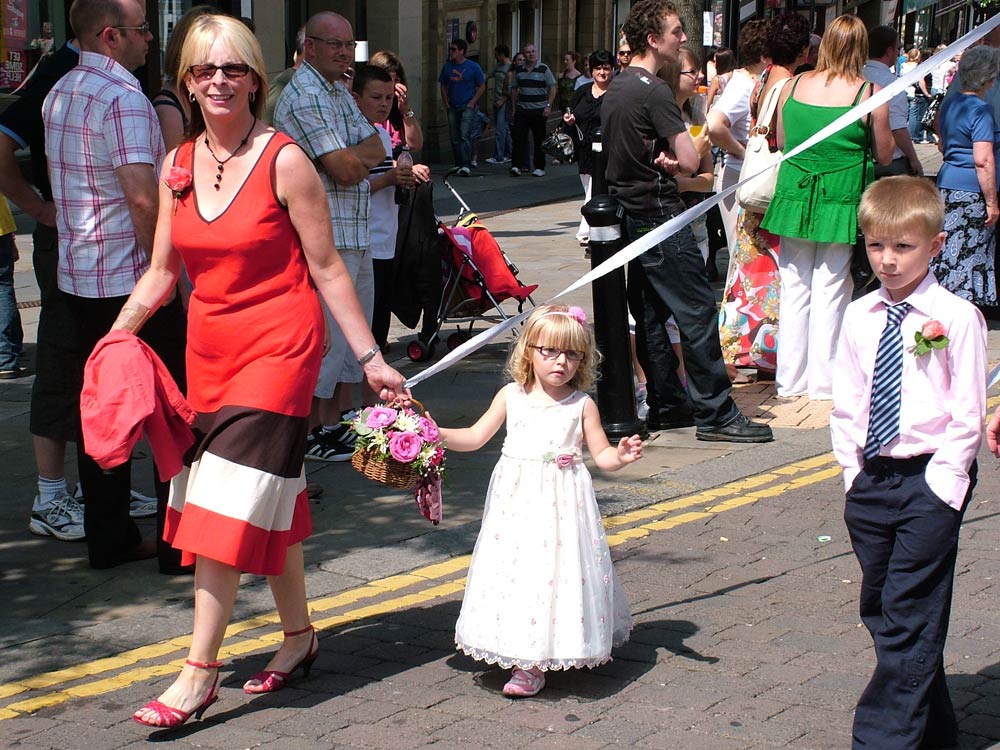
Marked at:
<point>542,593</point>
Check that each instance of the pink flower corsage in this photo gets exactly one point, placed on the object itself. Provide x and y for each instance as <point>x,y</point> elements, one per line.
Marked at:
<point>178,179</point>
<point>930,336</point>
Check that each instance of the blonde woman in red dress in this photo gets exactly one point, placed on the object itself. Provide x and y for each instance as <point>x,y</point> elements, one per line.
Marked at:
<point>244,208</point>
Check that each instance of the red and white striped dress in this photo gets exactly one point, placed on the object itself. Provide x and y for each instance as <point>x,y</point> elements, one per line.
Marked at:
<point>255,336</point>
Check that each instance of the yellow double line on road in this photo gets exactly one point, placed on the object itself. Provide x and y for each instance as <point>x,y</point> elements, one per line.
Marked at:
<point>426,584</point>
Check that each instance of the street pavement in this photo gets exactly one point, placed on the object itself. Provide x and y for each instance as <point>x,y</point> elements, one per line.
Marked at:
<point>735,560</point>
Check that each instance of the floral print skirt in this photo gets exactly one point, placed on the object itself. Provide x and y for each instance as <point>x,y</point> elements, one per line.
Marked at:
<point>748,319</point>
<point>965,265</point>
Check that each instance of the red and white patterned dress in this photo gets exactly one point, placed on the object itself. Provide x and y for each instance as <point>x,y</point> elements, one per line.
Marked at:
<point>255,336</point>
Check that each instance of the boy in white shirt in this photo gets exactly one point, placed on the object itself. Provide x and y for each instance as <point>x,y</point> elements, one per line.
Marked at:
<point>909,396</point>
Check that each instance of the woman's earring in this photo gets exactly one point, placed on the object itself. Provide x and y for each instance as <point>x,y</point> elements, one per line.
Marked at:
<point>253,96</point>
<point>191,96</point>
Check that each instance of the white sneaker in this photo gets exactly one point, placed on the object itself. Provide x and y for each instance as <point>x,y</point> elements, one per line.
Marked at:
<point>142,506</point>
<point>491,160</point>
<point>464,172</point>
<point>63,520</point>
<point>642,408</point>
<point>514,171</point>
<point>539,173</point>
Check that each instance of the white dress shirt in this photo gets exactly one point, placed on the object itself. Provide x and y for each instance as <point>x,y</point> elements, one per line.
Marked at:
<point>943,403</point>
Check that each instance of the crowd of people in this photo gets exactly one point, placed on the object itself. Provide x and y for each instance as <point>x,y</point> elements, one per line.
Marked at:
<point>245,247</point>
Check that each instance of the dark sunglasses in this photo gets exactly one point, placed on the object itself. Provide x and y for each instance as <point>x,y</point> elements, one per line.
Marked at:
<point>624,53</point>
<point>206,72</point>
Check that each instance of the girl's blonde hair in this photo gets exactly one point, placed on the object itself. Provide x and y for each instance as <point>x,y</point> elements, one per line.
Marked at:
<point>844,49</point>
<point>553,325</point>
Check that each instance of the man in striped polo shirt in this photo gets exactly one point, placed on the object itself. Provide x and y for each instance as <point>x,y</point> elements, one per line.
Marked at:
<point>532,91</point>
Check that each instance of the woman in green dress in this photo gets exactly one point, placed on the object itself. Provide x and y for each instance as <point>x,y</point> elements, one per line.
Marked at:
<point>815,205</point>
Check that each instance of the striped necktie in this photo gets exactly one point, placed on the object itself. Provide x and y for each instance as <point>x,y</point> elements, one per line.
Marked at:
<point>883,419</point>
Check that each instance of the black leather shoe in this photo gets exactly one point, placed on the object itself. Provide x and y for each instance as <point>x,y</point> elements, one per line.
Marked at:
<point>739,430</point>
<point>672,419</point>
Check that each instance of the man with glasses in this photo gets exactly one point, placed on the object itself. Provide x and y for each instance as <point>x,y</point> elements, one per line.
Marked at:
<point>105,149</point>
<point>318,111</point>
<point>532,91</point>
<point>462,83</point>
<point>647,142</point>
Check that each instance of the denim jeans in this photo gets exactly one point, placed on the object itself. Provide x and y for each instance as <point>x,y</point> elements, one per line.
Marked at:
<point>504,147</point>
<point>11,335</point>
<point>460,121</point>
<point>669,279</point>
<point>918,106</point>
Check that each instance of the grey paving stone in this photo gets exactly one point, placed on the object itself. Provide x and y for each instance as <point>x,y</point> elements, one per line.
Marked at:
<point>615,731</point>
<point>690,740</point>
<point>564,742</point>
<point>488,732</point>
<point>298,743</point>
<point>378,736</point>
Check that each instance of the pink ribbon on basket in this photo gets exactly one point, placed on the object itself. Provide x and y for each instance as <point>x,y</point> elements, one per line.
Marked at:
<point>427,493</point>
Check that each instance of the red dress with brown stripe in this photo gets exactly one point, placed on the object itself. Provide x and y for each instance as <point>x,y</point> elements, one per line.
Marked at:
<point>255,336</point>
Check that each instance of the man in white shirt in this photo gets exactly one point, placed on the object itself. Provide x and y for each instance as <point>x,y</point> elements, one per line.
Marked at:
<point>883,48</point>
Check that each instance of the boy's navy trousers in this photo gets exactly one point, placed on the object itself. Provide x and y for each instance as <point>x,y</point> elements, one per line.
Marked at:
<point>906,540</point>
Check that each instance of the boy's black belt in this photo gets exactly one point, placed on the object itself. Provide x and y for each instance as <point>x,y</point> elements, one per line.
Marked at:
<point>881,465</point>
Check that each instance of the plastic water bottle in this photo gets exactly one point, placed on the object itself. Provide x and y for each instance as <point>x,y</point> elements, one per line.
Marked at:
<point>405,161</point>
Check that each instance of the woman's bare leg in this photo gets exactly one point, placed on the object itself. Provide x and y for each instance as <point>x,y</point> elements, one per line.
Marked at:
<point>215,587</point>
<point>289,592</point>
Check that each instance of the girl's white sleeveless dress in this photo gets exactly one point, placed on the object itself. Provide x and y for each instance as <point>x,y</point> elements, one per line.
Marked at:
<point>541,588</point>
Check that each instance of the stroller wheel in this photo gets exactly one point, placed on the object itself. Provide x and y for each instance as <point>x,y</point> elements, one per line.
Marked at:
<point>417,351</point>
<point>456,339</point>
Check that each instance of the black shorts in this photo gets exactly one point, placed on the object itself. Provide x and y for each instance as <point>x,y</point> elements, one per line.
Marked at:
<point>55,395</point>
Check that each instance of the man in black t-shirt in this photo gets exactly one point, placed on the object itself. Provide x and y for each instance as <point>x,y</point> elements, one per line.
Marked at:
<point>54,400</point>
<point>646,142</point>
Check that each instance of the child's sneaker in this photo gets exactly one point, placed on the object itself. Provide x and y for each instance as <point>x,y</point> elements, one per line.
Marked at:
<point>642,408</point>
<point>62,520</point>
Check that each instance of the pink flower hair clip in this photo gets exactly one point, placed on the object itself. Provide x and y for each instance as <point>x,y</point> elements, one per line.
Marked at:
<point>574,312</point>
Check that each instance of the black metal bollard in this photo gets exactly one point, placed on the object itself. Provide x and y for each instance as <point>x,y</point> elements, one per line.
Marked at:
<point>615,389</point>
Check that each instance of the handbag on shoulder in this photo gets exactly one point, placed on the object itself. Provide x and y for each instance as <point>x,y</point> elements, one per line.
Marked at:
<point>756,194</point>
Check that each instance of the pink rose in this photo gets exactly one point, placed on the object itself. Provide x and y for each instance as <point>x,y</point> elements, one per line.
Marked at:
<point>428,430</point>
<point>404,446</point>
<point>564,459</point>
<point>381,416</point>
<point>178,179</point>
<point>932,329</point>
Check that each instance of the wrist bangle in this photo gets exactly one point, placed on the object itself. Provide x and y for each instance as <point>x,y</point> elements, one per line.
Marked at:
<point>410,114</point>
<point>369,355</point>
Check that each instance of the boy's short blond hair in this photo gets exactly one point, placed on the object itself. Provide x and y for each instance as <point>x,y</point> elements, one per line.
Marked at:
<point>902,203</point>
